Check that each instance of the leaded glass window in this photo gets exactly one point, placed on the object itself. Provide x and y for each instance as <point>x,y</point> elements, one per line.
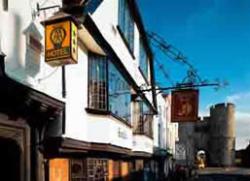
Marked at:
<point>97,79</point>
<point>119,94</point>
<point>126,23</point>
<point>143,119</point>
<point>143,60</point>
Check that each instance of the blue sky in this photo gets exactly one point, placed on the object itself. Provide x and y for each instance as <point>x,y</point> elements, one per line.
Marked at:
<point>215,36</point>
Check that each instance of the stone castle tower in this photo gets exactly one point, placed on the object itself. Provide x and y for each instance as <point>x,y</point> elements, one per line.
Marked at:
<point>221,142</point>
<point>215,135</point>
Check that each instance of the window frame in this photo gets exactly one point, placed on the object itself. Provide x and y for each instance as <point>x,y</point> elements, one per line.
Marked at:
<point>107,110</point>
<point>140,121</point>
<point>123,26</point>
<point>95,109</point>
<point>124,80</point>
<point>146,60</point>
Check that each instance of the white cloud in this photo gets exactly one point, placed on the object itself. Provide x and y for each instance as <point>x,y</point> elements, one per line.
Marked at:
<point>239,97</point>
<point>233,98</point>
<point>242,129</point>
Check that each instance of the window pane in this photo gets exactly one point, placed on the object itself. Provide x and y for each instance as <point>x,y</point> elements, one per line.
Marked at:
<point>147,117</point>
<point>97,82</point>
<point>119,94</point>
<point>126,23</point>
<point>143,60</point>
<point>143,123</point>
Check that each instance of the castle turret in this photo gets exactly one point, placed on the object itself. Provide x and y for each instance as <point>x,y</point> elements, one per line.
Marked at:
<point>222,134</point>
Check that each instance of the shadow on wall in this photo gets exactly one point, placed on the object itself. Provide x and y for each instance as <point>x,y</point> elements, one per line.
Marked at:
<point>14,63</point>
<point>20,66</point>
<point>33,50</point>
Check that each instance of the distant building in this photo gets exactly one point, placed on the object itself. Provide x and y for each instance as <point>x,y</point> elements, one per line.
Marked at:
<point>243,157</point>
<point>165,136</point>
<point>214,134</point>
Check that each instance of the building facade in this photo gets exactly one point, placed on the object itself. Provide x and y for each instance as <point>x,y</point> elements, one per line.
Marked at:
<point>86,121</point>
<point>165,136</point>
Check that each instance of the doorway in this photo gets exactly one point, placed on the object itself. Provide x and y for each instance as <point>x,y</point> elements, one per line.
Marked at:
<point>10,160</point>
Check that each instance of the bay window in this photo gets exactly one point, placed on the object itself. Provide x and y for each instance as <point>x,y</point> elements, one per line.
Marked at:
<point>97,82</point>
<point>143,119</point>
<point>119,94</point>
<point>107,89</point>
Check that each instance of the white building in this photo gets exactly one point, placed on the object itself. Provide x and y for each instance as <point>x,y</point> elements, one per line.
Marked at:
<point>172,128</point>
<point>85,120</point>
<point>165,133</point>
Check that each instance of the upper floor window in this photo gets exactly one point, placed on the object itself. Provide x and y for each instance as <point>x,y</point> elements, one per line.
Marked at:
<point>97,82</point>
<point>108,89</point>
<point>143,119</point>
<point>119,94</point>
<point>126,23</point>
<point>143,61</point>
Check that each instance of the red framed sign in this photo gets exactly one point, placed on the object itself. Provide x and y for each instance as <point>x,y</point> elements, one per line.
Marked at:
<point>184,105</point>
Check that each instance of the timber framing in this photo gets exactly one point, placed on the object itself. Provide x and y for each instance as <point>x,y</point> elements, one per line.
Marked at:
<point>59,146</point>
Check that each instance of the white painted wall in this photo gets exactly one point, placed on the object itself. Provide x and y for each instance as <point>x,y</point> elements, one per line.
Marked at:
<point>13,32</point>
<point>142,143</point>
<point>169,131</point>
<point>172,128</point>
<point>160,119</point>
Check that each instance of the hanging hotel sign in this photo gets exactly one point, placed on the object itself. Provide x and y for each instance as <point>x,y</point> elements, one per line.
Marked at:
<point>61,41</point>
<point>184,105</point>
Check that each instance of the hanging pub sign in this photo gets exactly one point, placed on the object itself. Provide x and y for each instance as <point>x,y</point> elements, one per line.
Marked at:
<point>184,105</point>
<point>60,40</point>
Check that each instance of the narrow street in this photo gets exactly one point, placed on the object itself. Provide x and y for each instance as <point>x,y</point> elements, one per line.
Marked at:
<point>216,177</point>
<point>224,174</point>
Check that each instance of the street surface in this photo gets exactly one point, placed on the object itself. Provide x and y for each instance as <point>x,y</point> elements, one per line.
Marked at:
<point>224,174</point>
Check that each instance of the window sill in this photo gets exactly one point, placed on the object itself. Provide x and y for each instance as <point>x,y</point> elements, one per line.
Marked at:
<point>125,41</point>
<point>121,120</point>
<point>108,113</point>
<point>97,111</point>
<point>143,134</point>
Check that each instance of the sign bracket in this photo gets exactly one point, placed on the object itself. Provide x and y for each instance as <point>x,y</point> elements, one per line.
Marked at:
<point>183,86</point>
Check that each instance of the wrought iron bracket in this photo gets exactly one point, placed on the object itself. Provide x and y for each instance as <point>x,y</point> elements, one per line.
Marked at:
<point>183,86</point>
<point>38,8</point>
